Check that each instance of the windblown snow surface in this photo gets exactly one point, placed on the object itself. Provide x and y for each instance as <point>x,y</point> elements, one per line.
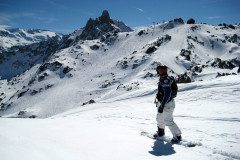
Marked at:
<point>207,110</point>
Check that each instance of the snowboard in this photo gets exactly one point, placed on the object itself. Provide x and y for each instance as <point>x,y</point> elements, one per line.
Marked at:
<point>184,142</point>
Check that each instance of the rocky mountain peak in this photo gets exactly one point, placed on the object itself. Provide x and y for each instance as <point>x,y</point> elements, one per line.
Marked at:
<point>102,27</point>
<point>105,17</point>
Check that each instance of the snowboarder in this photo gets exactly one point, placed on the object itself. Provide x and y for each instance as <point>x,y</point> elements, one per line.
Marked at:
<point>167,91</point>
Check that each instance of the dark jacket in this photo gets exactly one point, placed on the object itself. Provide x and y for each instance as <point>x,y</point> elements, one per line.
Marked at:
<point>167,89</point>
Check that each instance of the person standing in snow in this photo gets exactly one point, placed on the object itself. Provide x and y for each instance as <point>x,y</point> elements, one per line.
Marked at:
<point>167,91</point>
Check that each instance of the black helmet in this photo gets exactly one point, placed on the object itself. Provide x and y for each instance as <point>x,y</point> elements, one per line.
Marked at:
<point>161,67</point>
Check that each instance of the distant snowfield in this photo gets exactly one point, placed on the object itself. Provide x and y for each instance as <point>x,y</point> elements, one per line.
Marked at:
<point>207,112</point>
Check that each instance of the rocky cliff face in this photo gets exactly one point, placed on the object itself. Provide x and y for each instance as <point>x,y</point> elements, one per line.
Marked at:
<point>103,27</point>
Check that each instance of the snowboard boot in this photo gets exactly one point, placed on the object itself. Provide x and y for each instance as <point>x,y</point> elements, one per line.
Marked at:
<point>160,133</point>
<point>176,139</point>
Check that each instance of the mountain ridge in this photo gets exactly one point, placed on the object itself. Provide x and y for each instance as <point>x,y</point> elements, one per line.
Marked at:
<point>51,77</point>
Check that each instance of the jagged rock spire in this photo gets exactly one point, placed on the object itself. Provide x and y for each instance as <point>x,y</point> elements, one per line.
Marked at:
<point>102,27</point>
<point>105,17</point>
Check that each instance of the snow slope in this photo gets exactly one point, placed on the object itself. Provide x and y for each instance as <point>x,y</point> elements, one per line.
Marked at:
<point>207,112</point>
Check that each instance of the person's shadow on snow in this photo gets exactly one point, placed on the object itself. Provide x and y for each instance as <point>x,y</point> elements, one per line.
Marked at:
<point>162,148</point>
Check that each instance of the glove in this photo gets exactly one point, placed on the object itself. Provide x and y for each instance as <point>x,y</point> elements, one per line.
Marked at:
<point>160,109</point>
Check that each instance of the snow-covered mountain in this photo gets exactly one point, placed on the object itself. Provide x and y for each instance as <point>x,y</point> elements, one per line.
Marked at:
<point>50,77</point>
<point>95,88</point>
<point>18,37</point>
<point>33,43</point>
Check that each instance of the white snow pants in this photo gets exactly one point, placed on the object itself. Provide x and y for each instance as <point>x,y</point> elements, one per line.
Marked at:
<point>166,118</point>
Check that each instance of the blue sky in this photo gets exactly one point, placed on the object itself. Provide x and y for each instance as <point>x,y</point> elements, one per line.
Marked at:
<point>65,16</point>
